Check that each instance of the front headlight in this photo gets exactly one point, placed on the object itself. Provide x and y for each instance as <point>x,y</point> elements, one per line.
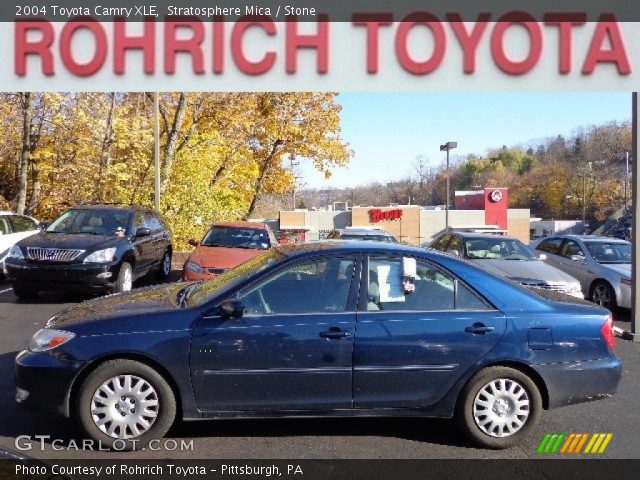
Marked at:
<point>101,256</point>
<point>47,339</point>
<point>15,252</point>
<point>194,267</point>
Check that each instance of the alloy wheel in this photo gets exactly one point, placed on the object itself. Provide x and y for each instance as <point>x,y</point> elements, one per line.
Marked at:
<point>166,264</point>
<point>601,296</point>
<point>127,282</point>
<point>125,406</point>
<point>501,408</point>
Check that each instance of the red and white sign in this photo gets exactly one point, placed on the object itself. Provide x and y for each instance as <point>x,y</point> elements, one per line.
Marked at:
<point>378,215</point>
<point>496,196</point>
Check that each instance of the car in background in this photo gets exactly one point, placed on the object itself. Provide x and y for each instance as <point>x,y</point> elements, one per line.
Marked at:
<point>91,248</point>
<point>13,228</point>
<point>322,329</point>
<point>226,245</point>
<point>601,264</point>
<point>510,258</point>
<point>362,233</point>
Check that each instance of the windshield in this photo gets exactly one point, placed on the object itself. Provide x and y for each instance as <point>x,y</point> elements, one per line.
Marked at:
<point>91,221</point>
<point>497,249</point>
<point>603,252</point>
<point>204,291</point>
<point>237,237</point>
<point>373,237</point>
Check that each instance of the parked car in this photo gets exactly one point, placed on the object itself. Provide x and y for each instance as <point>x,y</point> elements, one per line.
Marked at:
<point>226,245</point>
<point>91,248</point>
<point>322,329</point>
<point>362,233</point>
<point>601,264</point>
<point>13,228</point>
<point>510,258</point>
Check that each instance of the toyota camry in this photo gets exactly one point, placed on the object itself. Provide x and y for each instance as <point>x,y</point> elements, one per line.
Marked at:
<point>322,329</point>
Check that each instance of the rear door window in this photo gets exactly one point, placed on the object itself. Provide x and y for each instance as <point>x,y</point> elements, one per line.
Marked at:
<point>551,245</point>
<point>441,243</point>
<point>22,224</point>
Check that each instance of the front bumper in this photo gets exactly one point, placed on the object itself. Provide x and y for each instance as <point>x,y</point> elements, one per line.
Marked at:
<point>73,276</point>
<point>577,382</point>
<point>43,381</point>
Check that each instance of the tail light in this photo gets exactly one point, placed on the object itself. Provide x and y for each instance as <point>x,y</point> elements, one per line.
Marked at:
<point>607,332</point>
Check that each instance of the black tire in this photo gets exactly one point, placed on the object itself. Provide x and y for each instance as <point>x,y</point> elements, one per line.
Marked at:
<point>465,407</point>
<point>602,290</point>
<point>166,404</point>
<point>162,273</point>
<point>124,282</point>
<point>25,293</point>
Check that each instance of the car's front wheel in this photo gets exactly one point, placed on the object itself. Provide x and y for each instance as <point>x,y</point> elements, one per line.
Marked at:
<point>603,294</point>
<point>499,407</point>
<point>164,269</point>
<point>125,404</point>
<point>124,282</point>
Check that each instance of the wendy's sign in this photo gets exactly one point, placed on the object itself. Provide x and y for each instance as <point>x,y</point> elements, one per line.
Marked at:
<point>378,215</point>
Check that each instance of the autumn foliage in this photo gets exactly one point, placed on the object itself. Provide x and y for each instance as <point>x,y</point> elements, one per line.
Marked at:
<point>219,151</point>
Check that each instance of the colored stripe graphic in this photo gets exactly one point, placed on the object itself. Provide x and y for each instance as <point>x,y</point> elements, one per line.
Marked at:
<point>573,443</point>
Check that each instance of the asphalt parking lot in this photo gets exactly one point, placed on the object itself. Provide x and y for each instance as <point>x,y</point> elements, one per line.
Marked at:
<point>304,438</point>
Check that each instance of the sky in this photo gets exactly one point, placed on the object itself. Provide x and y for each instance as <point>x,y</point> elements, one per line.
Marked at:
<point>387,131</point>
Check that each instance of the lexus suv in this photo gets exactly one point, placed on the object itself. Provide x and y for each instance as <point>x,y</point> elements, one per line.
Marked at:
<point>91,248</point>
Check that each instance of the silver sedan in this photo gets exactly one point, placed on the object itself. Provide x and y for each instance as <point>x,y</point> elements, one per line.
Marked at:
<point>601,264</point>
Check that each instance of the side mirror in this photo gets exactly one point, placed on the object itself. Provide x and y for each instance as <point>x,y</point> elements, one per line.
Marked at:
<point>43,225</point>
<point>143,232</point>
<point>193,242</point>
<point>231,309</point>
<point>454,252</point>
<point>542,256</point>
<point>577,258</point>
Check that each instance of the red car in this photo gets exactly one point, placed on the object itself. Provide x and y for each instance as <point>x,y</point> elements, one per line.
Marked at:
<point>226,245</point>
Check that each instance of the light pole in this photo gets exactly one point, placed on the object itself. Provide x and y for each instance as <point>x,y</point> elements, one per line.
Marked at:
<point>446,147</point>
<point>626,182</point>
<point>156,149</point>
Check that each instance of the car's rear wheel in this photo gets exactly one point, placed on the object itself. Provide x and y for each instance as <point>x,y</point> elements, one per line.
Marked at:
<point>164,269</point>
<point>25,293</point>
<point>603,294</point>
<point>125,404</point>
<point>499,407</point>
<point>124,283</point>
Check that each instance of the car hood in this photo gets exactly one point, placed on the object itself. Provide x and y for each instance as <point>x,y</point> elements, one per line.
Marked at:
<point>623,269</point>
<point>223,257</point>
<point>80,241</point>
<point>160,298</point>
<point>526,269</point>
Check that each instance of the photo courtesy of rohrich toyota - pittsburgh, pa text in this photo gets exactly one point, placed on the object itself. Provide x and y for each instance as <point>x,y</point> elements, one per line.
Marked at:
<point>319,239</point>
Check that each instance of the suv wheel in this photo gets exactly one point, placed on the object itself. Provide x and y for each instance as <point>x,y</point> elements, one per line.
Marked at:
<point>125,404</point>
<point>499,407</point>
<point>24,293</point>
<point>124,283</point>
<point>164,269</point>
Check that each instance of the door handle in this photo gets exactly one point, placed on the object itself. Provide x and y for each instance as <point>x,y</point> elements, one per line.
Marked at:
<point>479,329</point>
<point>335,333</point>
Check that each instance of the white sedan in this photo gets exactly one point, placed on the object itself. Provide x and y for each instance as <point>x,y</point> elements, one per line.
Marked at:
<point>13,228</point>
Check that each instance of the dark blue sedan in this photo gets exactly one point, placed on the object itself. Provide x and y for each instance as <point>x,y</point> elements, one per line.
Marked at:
<point>334,328</point>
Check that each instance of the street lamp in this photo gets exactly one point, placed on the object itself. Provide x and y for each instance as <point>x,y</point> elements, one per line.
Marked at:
<point>446,147</point>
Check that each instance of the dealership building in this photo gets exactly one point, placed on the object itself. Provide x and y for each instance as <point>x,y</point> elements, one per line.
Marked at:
<point>412,223</point>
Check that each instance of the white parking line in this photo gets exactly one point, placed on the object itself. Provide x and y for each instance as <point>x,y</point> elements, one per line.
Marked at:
<point>5,290</point>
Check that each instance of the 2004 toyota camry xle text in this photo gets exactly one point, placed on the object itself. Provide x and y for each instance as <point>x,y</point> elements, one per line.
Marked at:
<point>328,328</point>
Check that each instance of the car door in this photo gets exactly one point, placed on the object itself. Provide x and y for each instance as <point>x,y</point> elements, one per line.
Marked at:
<point>291,350</point>
<point>6,238</point>
<point>572,260</point>
<point>144,245</point>
<point>159,235</point>
<point>412,346</point>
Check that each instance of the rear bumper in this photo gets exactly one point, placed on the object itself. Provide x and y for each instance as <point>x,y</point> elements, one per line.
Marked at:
<point>577,382</point>
<point>80,276</point>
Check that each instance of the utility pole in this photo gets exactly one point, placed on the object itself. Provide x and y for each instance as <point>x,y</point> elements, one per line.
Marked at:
<point>447,146</point>
<point>626,181</point>
<point>294,164</point>
<point>156,148</point>
<point>635,201</point>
